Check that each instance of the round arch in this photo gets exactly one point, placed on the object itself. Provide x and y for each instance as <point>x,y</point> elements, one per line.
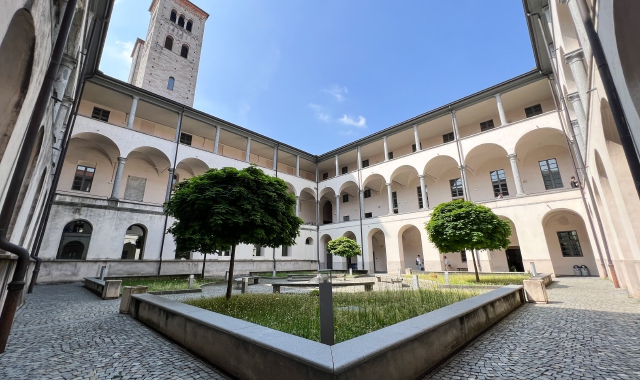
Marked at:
<point>347,185</point>
<point>191,167</point>
<point>75,239</point>
<point>134,242</point>
<point>544,160</point>
<point>489,172</point>
<point>410,247</point>
<point>326,257</point>
<point>376,240</point>
<point>97,143</point>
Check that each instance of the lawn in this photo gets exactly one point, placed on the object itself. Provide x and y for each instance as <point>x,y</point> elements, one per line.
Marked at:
<point>355,313</point>
<point>170,283</point>
<point>470,278</point>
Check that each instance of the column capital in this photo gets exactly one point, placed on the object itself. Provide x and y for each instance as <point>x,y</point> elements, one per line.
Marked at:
<point>135,97</point>
<point>462,167</point>
<point>574,56</point>
<point>122,159</point>
<point>573,97</point>
<point>574,123</point>
<point>421,176</point>
<point>498,96</point>
<point>388,184</point>
<point>564,1</point>
<point>171,170</point>
<point>512,156</point>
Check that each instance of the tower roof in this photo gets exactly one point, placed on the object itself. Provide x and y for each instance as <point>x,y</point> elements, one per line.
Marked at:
<point>186,4</point>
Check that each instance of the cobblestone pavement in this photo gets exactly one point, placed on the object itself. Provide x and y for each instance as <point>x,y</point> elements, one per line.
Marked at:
<point>589,330</point>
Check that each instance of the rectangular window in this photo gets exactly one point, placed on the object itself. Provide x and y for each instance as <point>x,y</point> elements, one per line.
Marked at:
<point>345,218</point>
<point>486,125</point>
<point>550,174</point>
<point>447,137</point>
<point>285,250</point>
<point>225,253</point>
<point>257,250</point>
<point>499,182</point>
<point>345,198</point>
<point>365,163</point>
<point>368,215</point>
<point>325,176</point>
<point>390,155</point>
<point>533,110</point>
<point>367,193</point>
<point>345,169</point>
<point>456,188</point>
<point>413,147</point>
<point>100,114</point>
<point>569,243</point>
<point>83,178</point>
<point>463,256</point>
<point>185,138</point>
<point>420,204</point>
<point>394,200</point>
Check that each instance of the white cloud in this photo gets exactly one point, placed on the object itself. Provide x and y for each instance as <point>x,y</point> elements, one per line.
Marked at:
<point>348,120</point>
<point>324,117</point>
<point>337,92</point>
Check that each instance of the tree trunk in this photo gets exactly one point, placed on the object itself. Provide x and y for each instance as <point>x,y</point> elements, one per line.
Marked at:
<point>231,262</point>
<point>475,264</point>
<point>204,262</point>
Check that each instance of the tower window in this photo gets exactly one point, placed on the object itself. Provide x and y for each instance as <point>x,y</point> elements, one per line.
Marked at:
<point>168,43</point>
<point>185,51</point>
<point>170,84</point>
<point>181,21</point>
<point>189,25</point>
<point>173,16</point>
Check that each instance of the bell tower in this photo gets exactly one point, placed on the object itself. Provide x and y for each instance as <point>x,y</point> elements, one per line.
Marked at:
<point>167,62</point>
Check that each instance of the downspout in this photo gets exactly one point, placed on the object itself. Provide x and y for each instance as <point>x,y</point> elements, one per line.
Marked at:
<point>15,287</point>
<point>276,170</point>
<point>56,177</point>
<point>360,201</point>
<point>166,217</point>
<point>617,111</point>
<point>580,164</point>
<point>317,206</point>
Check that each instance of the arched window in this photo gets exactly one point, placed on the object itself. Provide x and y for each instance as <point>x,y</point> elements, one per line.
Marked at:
<point>168,43</point>
<point>189,25</point>
<point>170,84</point>
<point>75,240</point>
<point>134,239</point>
<point>181,21</point>
<point>309,241</point>
<point>185,51</point>
<point>173,16</point>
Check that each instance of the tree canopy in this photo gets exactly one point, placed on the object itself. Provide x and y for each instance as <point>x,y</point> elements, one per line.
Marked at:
<point>344,247</point>
<point>462,225</point>
<point>225,207</point>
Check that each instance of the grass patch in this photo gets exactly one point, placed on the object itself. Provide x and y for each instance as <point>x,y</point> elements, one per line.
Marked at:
<point>470,278</point>
<point>170,283</point>
<point>355,313</point>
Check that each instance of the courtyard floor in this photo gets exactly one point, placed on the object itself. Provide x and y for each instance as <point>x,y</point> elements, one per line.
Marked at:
<point>588,330</point>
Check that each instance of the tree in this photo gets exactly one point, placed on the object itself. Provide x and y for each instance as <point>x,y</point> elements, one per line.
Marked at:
<point>225,207</point>
<point>344,247</point>
<point>462,225</point>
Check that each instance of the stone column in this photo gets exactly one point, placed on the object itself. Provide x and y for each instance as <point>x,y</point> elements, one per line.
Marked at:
<point>576,64</point>
<point>59,126</point>
<point>247,156</point>
<point>580,30</point>
<point>547,16</point>
<point>581,116</point>
<point>116,181</point>
<point>65,70</point>
<point>513,159</point>
<point>298,165</point>
<point>463,178</point>
<point>275,158</point>
<point>132,112</point>
<point>338,208</point>
<point>361,203</point>
<point>423,191</point>
<point>317,213</point>
<point>337,166</point>
<point>297,206</point>
<point>579,139</point>
<point>178,128</point>
<point>215,143</point>
<point>503,116</point>
<point>454,122</point>
<point>416,138</point>
<point>386,148</point>
<point>169,185</point>
<point>359,158</point>
<point>390,198</point>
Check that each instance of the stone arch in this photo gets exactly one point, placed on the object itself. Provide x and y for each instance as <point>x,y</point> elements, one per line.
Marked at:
<point>375,196</point>
<point>181,21</point>
<point>168,42</point>
<point>189,25</point>
<point>145,176</point>
<point>351,261</point>
<point>184,51</point>
<point>625,15</point>
<point>489,172</point>
<point>307,201</point>
<point>547,145</point>
<point>16,63</point>
<point>410,246</point>
<point>308,241</point>
<point>192,167</point>
<point>291,188</point>
<point>346,185</point>
<point>566,235</point>
<point>134,242</point>
<point>326,257</point>
<point>376,240</point>
<point>505,260</point>
<point>327,206</point>
<point>75,239</point>
<point>438,172</point>
<point>173,16</point>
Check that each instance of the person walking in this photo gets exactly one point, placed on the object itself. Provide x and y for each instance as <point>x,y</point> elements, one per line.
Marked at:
<point>446,264</point>
<point>419,263</point>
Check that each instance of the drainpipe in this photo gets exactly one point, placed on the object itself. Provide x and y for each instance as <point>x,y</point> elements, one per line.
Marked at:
<point>56,177</point>
<point>617,111</point>
<point>276,170</point>
<point>361,213</point>
<point>15,287</point>
<point>585,182</point>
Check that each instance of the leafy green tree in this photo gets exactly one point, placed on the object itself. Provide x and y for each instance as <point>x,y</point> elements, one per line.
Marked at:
<point>462,225</point>
<point>344,247</point>
<point>225,207</point>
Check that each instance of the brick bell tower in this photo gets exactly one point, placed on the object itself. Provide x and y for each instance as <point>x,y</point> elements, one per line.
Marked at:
<point>167,62</point>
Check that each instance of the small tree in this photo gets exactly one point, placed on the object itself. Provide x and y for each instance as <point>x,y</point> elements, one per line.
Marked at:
<point>462,225</point>
<point>225,207</point>
<point>343,247</point>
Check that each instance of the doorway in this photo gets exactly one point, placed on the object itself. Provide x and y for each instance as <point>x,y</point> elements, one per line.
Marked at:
<point>514,259</point>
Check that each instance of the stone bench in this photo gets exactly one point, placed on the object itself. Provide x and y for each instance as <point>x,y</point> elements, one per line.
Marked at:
<point>391,280</point>
<point>535,288</point>
<point>368,286</point>
<point>298,277</point>
<point>106,289</point>
<point>255,279</point>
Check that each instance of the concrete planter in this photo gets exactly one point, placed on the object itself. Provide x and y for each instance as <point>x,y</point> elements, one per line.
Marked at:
<point>402,351</point>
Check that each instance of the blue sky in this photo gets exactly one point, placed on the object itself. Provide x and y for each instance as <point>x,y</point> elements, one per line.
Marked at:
<point>320,74</point>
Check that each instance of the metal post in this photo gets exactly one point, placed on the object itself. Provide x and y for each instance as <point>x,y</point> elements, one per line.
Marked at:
<point>533,269</point>
<point>446,277</point>
<point>191,281</point>
<point>326,312</point>
<point>416,282</point>
<point>245,283</point>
